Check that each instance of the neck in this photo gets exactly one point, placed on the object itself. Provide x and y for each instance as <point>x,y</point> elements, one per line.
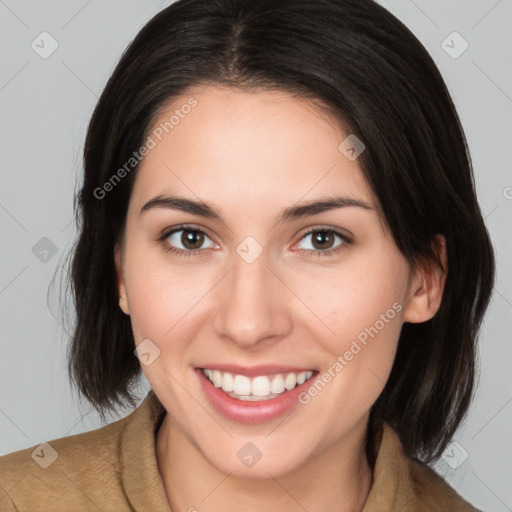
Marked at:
<point>338,479</point>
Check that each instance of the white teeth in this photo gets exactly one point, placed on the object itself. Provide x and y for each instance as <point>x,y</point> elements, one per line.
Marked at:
<point>291,381</point>
<point>228,382</point>
<point>277,384</point>
<point>217,378</point>
<point>242,385</point>
<point>260,386</point>
<point>257,388</point>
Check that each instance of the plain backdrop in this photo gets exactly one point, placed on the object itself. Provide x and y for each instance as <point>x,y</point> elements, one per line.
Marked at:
<point>46,102</point>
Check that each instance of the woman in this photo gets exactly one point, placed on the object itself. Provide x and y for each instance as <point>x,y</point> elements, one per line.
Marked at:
<point>278,215</point>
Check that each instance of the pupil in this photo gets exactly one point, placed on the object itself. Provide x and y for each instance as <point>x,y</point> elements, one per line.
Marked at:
<point>191,238</point>
<point>321,237</point>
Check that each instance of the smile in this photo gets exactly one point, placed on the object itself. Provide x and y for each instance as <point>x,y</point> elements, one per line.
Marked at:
<point>255,394</point>
<point>256,388</point>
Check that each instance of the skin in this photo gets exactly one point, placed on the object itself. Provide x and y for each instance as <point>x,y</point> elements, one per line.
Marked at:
<point>250,155</point>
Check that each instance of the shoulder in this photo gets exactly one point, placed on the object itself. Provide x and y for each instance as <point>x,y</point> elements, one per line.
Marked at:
<point>408,484</point>
<point>433,491</point>
<point>63,472</point>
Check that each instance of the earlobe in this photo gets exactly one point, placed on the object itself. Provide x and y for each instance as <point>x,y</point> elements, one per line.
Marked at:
<point>123,299</point>
<point>427,287</point>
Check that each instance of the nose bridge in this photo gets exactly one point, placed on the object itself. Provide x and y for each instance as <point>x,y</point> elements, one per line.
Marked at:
<point>250,308</point>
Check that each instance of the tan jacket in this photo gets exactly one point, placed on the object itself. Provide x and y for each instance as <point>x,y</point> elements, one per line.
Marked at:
<point>114,468</point>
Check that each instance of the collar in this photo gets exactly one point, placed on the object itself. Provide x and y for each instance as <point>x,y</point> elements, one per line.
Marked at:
<point>140,477</point>
<point>400,484</point>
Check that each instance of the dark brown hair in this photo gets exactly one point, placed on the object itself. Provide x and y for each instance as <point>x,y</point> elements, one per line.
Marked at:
<point>374,74</point>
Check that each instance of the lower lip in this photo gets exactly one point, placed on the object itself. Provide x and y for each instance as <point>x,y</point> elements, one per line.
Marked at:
<point>244,411</point>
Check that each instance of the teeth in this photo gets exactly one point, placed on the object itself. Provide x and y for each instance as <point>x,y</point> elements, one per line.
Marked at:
<point>291,381</point>
<point>260,386</point>
<point>228,382</point>
<point>277,384</point>
<point>256,388</point>
<point>217,378</point>
<point>242,385</point>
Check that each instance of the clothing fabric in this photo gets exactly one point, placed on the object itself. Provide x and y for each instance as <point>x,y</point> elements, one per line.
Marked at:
<point>114,468</point>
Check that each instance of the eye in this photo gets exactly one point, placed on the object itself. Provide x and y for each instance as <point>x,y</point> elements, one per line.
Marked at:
<point>191,240</point>
<point>323,240</point>
<point>185,240</point>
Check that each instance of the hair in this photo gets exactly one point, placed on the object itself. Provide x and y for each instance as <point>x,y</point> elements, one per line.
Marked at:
<point>378,79</point>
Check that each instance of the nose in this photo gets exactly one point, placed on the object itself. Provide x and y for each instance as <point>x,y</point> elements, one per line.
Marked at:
<point>252,304</point>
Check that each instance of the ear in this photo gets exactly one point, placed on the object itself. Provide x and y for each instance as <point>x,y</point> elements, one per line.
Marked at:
<point>123,298</point>
<point>427,287</point>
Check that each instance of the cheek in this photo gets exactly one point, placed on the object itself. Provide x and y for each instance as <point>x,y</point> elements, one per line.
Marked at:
<point>369,310</point>
<point>362,299</point>
<point>361,310</point>
<point>166,300</point>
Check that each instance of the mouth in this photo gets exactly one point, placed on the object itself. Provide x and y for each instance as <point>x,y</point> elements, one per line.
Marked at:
<point>256,388</point>
<point>256,395</point>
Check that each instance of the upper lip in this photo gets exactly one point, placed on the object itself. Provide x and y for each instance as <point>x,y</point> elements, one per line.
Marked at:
<point>261,369</point>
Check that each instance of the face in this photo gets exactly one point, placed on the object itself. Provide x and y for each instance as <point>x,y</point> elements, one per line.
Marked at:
<point>264,299</point>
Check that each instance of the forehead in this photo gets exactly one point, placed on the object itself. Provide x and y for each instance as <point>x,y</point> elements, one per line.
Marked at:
<point>250,147</point>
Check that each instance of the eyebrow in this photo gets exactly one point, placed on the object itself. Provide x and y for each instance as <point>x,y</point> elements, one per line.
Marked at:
<point>299,211</point>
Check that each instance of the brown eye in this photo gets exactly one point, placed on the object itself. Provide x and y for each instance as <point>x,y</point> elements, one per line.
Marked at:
<point>187,239</point>
<point>192,239</point>
<point>323,242</point>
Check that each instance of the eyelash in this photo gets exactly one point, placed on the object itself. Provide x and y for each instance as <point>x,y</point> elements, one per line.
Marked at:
<point>310,253</point>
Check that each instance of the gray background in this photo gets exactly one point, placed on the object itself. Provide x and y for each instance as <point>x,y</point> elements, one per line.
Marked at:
<point>45,106</point>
